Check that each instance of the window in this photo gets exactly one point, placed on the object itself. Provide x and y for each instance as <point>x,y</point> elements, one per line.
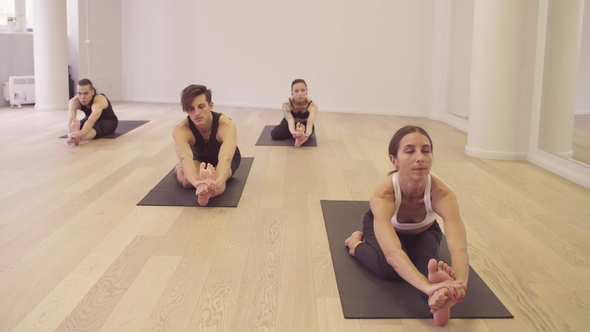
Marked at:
<point>6,9</point>
<point>21,8</point>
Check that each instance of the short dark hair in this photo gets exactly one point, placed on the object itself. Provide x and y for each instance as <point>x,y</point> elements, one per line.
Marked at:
<point>299,80</point>
<point>401,133</point>
<point>191,92</point>
<point>84,82</point>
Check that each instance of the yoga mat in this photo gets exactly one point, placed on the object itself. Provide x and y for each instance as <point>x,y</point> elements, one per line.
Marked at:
<point>266,140</point>
<point>124,126</point>
<point>168,192</point>
<point>364,295</point>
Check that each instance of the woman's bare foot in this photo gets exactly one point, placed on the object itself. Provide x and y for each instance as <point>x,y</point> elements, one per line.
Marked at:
<point>353,241</point>
<point>441,301</point>
<point>299,128</point>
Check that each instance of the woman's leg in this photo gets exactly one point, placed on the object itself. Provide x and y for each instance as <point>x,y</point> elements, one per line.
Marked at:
<point>281,132</point>
<point>369,252</point>
<point>421,248</point>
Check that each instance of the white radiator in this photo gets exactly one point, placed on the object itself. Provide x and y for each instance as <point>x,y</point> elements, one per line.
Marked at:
<point>21,90</point>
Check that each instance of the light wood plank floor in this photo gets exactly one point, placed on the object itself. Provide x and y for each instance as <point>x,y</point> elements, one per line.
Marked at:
<point>77,254</point>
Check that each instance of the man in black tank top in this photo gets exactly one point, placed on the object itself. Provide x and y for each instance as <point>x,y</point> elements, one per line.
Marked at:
<point>205,142</point>
<point>100,119</point>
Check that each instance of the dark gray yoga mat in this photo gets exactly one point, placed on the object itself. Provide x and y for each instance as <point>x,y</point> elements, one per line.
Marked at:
<point>266,140</point>
<point>124,126</point>
<point>364,295</point>
<point>168,192</point>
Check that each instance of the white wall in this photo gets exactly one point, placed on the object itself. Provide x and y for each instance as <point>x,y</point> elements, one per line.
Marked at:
<point>16,57</point>
<point>583,92</point>
<point>372,56</point>
<point>101,60</point>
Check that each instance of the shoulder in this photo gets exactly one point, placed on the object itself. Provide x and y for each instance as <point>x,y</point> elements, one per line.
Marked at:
<point>182,131</point>
<point>384,188</point>
<point>182,126</point>
<point>75,101</point>
<point>226,125</point>
<point>438,186</point>
<point>312,104</point>
<point>442,196</point>
<point>100,99</point>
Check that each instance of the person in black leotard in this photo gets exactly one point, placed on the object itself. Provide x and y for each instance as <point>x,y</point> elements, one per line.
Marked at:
<point>205,142</point>
<point>300,114</point>
<point>100,119</point>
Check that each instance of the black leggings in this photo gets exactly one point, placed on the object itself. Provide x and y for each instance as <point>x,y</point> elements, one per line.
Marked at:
<point>103,127</point>
<point>420,248</point>
<point>235,162</point>
<point>281,132</point>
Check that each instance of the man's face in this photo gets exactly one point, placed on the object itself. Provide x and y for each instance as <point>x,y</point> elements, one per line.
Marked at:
<point>200,110</point>
<point>85,94</point>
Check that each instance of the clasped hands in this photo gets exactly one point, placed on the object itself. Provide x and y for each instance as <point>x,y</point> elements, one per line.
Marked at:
<point>75,137</point>
<point>300,133</point>
<point>457,291</point>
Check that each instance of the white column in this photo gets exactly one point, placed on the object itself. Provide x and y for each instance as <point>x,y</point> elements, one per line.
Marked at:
<point>560,70</point>
<point>50,44</point>
<point>502,75</point>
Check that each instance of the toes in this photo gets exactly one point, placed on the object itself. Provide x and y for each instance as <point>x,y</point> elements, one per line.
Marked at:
<point>432,266</point>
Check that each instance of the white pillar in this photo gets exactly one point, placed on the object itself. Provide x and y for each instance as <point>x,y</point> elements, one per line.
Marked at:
<point>560,70</point>
<point>502,73</point>
<point>50,44</point>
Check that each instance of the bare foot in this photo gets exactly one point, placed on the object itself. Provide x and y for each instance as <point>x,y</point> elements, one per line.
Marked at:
<point>207,187</point>
<point>440,302</point>
<point>74,126</point>
<point>353,241</point>
<point>300,128</point>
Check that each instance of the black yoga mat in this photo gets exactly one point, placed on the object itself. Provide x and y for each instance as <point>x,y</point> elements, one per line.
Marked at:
<point>266,140</point>
<point>364,295</point>
<point>168,192</point>
<point>123,127</point>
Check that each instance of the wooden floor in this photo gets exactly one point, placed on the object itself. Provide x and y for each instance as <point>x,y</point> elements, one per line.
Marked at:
<point>77,254</point>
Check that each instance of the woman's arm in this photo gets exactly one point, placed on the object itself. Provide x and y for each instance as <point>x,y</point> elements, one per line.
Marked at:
<point>444,203</point>
<point>289,116</point>
<point>313,112</point>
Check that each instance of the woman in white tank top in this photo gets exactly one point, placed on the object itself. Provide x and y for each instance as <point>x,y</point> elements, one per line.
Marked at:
<point>400,236</point>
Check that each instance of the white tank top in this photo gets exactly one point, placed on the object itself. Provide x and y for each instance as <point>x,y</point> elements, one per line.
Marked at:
<point>430,214</point>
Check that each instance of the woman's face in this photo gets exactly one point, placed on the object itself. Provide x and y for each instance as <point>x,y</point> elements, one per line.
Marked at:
<point>414,156</point>
<point>299,91</point>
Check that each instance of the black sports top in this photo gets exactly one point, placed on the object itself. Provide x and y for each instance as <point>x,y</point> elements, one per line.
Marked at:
<point>207,151</point>
<point>107,113</point>
<point>302,115</point>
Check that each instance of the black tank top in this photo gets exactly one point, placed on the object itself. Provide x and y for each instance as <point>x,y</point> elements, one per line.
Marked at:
<point>206,151</point>
<point>107,113</point>
<point>302,115</point>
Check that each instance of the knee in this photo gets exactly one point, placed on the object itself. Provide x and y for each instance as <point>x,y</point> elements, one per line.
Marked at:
<point>275,134</point>
<point>182,179</point>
